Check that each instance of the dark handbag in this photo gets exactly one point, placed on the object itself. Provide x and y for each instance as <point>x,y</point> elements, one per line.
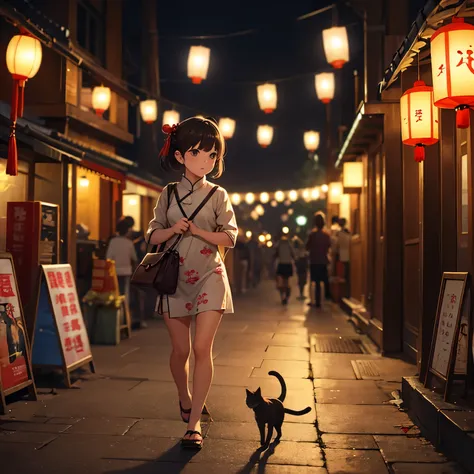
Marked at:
<point>160,270</point>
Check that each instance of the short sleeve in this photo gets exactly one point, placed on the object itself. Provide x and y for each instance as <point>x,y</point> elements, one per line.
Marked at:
<point>225,216</point>
<point>160,220</point>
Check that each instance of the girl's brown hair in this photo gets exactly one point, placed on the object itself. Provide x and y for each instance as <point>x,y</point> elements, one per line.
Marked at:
<point>196,132</point>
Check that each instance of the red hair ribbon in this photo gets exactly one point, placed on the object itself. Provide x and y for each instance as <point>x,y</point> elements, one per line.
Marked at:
<point>169,130</point>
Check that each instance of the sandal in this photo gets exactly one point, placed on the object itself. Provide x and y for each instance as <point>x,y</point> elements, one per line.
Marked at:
<point>186,412</point>
<point>192,443</point>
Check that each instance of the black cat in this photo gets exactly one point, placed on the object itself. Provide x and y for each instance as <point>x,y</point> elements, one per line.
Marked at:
<point>270,411</point>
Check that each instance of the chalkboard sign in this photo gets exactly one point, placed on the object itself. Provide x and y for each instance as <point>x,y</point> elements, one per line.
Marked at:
<point>448,358</point>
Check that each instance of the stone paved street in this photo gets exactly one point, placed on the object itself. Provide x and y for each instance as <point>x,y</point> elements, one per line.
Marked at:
<point>125,418</point>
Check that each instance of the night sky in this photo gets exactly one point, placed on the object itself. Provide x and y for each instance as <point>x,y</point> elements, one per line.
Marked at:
<point>281,49</point>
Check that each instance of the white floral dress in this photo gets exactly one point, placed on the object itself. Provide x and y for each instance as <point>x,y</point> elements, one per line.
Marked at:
<point>203,284</point>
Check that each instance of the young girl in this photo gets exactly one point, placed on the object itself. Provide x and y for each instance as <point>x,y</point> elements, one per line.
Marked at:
<point>196,146</point>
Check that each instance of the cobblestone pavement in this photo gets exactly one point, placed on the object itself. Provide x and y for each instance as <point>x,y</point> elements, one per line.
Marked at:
<point>125,418</point>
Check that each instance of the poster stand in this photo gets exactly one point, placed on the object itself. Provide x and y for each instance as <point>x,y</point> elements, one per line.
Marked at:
<point>17,373</point>
<point>447,362</point>
<point>60,337</point>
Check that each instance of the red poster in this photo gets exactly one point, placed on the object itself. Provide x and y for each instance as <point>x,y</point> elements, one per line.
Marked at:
<point>67,312</point>
<point>12,333</point>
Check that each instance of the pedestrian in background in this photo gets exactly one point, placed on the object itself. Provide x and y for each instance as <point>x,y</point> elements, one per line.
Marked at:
<point>318,246</point>
<point>138,296</point>
<point>122,251</point>
<point>285,256</point>
<point>301,265</point>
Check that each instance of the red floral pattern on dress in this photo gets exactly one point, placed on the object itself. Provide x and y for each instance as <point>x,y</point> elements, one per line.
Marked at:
<point>193,277</point>
<point>219,270</point>
<point>189,306</point>
<point>181,260</point>
<point>202,299</point>
<point>206,251</point>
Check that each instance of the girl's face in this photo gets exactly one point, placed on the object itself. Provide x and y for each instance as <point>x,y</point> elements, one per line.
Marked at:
<point>198,162</point>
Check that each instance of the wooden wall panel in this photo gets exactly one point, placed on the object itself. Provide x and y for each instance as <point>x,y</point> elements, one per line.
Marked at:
<point>411,298</point>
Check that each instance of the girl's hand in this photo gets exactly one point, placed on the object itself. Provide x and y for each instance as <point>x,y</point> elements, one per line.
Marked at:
<point>181,226</point>
<point>194,228</point>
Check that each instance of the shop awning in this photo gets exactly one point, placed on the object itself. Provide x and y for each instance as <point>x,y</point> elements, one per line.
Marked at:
<point>143,186</point>
<point>364,133</point>
<point>24,14</point>
<point>429,19</point>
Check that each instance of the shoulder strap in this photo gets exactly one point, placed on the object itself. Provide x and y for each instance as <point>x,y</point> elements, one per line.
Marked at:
<point>203,203</point>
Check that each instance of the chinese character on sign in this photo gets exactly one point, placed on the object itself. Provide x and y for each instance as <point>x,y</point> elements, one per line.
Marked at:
<point>52,280</point>
<point>441,70</point>
<point>71,298</point>
<point>61,298</point>
<point>78,344</point>
<point>60,279</point>
<point>73,309</point>
<point>66,327</point>
<point>453,299</point>
<point>6,289</point>
<point>466,59</point>
<point>19,214</point>
<point>68,344</point>
<point>68,277</point>
<point>18,237</point>
<point>419,115</point>
<point>18,227</point>
<point>64,311</point>
<point>75,326</point>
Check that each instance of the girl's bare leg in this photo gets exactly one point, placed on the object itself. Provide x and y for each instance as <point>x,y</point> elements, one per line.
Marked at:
<point>206,328</point>
<point>180,334</point>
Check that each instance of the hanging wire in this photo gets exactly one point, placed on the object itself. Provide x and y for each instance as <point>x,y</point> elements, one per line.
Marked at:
<point>249,31</point>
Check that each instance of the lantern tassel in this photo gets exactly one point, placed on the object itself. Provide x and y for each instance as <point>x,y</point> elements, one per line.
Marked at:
<point>21,97</point>
<point>12,160</point>
<point>419,153</point>
<point>462,116</point>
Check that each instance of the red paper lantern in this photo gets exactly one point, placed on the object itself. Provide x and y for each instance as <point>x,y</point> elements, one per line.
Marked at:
<point>452,64</point>
<point>419,119</point>
<point>23,59</point>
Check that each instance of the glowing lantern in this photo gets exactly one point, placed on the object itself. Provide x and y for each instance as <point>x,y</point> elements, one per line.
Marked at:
<point>260,210</point>
<point>148,110</point>
<point>419,119</point>
<point>335,192</point>
<point>306,195</point>
<point>170,117</point>
<point>249,198</point>
<point>452,66</point>
<point>261,238</point>
<point>301,220</point>
<point>324,188</point>
<point>254,215</point>
<point>198,63</point>
<point>336,46</point>
<point>269,244</point>
<point>291,212</point>
<point>264,135</point>
<point>353,175</point>
<point>101,99</point>
<point>315,194</point>
<point>279,196</point>
<point>274,203</point>
<point>285,230</point>
<point>293,195</point>
<point>227,127</point>
<point>83,182</point>
<point>284,217</point>
<point>311,140</point>
<point>23,62</point>
<point>248,234</point>
<point>264,198</point>
<point>267,97</point>
<point>325,86</point>
<point>268,237</point>
<point>235,199</point>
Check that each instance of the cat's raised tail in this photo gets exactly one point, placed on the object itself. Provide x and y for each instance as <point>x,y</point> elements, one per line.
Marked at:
<point>282,383</point>
<point>298,413</point>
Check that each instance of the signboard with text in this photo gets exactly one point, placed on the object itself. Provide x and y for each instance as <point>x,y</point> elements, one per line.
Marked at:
<point>15,372</point>
<point>450,354</point>
<point>60,333</point>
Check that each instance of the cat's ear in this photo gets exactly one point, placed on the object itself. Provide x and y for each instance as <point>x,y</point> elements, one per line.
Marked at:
<point>258,391</point>
<point>248,391</point>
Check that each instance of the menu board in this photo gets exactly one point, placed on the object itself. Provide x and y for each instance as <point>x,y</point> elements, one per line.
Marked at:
<point>13,357</point>
<point>67,313</point>
<point>449,314</point>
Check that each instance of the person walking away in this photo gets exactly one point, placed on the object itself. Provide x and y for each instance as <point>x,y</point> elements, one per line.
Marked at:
<point>285,256</point>
<point>122,251</point>
<point>301,265</point>
<point>335,228</point>
<point>318,246</point>
<point>243,260</point>
<point>138,296</point>
<point>343,250</point>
